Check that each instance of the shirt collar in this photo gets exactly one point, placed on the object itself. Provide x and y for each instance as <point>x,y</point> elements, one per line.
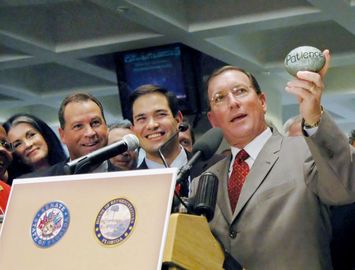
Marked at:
<point>254,147</point>
<point>178,162</point>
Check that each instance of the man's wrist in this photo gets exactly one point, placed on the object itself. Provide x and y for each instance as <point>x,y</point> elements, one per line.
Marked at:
<point>312,125</point>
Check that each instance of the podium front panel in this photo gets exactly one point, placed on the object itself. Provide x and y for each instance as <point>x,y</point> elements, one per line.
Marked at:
<point>101,221</point>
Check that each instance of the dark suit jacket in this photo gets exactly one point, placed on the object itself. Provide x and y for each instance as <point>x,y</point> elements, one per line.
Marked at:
<point>282,219</point>
<point>199,167</point>
<point>56,169</point>
<point>343,238</point>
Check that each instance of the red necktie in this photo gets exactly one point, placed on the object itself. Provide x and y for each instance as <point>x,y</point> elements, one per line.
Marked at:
<point>237,177</point>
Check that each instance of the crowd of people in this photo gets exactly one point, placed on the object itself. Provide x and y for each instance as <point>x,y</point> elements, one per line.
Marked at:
<point>276,193</point>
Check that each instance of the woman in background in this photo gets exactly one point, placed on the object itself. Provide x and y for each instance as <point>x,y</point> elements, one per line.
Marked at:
<point>36,146</point>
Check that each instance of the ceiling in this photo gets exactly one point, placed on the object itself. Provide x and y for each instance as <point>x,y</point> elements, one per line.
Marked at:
<point>50,48</point>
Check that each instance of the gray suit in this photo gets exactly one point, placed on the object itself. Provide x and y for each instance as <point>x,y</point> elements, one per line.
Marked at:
<point>281,220</point>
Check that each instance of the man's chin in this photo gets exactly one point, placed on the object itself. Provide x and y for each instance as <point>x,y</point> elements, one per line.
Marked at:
<point>153,150</point>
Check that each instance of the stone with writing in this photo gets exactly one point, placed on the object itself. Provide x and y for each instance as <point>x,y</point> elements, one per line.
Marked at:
<point>304,58</point>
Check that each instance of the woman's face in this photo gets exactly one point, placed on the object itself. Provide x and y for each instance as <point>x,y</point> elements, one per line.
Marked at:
<point>29,144</point>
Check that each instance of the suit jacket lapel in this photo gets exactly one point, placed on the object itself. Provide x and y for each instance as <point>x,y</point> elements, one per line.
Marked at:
<point>142,166</point>
<point>258,172</point>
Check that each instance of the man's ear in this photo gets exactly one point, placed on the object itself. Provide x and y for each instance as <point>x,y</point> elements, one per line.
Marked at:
<point>179,117</point>
<point>262,98</point>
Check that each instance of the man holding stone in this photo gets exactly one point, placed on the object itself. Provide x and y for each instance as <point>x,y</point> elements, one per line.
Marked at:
<point>274,192</point>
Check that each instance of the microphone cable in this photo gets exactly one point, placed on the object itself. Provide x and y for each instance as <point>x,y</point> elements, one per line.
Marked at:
<point>182,127</point>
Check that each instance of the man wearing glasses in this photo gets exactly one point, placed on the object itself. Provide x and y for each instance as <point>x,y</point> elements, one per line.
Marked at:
<point>5,160</point>
<point>274,191</point>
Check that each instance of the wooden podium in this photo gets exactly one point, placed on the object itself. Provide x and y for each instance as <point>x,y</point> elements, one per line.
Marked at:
<point>191,245</point>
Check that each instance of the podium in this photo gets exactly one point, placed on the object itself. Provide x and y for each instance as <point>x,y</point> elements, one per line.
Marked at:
<point>131,208</point>
<point>191,245</point>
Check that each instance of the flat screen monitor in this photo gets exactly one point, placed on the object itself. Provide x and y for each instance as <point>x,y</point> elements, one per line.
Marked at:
<point>170,66</point>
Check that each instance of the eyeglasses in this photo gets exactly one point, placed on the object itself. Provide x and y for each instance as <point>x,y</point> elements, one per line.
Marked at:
<point>8,146</point>
<point>220,97</point>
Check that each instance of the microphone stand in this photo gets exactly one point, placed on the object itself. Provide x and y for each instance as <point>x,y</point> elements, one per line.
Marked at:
<point>182,127</point>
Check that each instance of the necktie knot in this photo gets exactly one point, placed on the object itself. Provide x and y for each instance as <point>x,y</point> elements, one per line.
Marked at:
<point>241,156</point>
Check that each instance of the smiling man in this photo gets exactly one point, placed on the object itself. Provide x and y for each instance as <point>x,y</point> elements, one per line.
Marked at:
<point>82,129</point>
<point>155,117</point>
<point>83,126</point>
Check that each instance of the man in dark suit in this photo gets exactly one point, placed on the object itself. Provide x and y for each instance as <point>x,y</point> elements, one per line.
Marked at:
<point>156,117</point>
<point>82,129</point>
<point>277,217</point>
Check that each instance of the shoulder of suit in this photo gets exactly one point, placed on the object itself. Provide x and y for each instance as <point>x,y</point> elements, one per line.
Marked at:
<point>56,169</point>
<point>202,166</point>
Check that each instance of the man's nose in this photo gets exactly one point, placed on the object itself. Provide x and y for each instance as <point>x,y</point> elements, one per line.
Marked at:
<point>89,131</point>
<point>152,123</point>
<point>232,100</point>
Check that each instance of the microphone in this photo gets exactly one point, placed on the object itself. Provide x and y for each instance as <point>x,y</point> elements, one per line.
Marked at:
<point>181,128</point>
<point>83,164</point>
<point>203,149</point>
<point>204,202</point>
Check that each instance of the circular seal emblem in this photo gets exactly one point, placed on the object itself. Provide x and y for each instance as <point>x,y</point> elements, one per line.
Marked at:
<point>50,224</point>
<point>115,221</point>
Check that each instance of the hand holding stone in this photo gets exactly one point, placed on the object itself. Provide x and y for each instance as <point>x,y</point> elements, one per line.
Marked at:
<point>304,58</point>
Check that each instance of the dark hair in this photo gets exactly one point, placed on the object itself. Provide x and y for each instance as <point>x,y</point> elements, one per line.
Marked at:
<point>251,77</point>
<point>77,97</point>
<point>125,123</point>
<point>151,89</point>
<point>352,136</point>
<point>55,149</point>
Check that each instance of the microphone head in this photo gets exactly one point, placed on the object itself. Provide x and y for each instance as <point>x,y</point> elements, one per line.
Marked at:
<point>131,141</point>
<point>206,195</point>
<point>208,143</point>
<point>183,127</point>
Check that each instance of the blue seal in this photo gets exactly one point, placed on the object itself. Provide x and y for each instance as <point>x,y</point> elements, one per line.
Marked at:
<point>50,224</point>
<point>115,221</point>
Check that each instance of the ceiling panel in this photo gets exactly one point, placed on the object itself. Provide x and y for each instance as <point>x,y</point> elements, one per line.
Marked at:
<point>50,48</point>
